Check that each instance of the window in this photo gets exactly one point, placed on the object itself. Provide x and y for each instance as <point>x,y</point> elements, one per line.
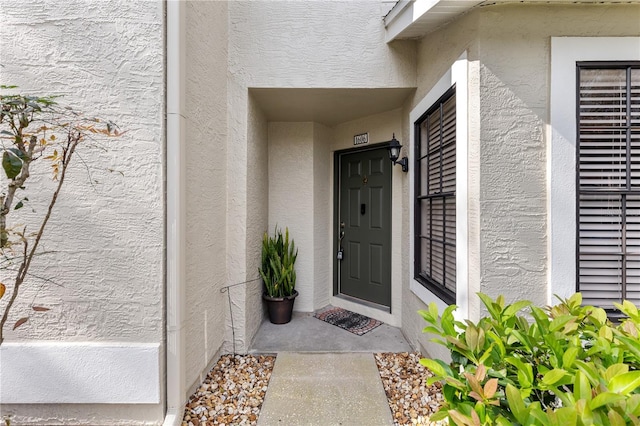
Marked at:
<point>608,183</point>
<point>435,198</point>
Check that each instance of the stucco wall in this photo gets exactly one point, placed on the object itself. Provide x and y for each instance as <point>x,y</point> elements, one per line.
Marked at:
<point>206,188</point>
<point>291,198</point>
<point>322,214</point>
<point>509,53</point>
<point>257,218</point>
<point>515,56</point>
<point>104,58</point>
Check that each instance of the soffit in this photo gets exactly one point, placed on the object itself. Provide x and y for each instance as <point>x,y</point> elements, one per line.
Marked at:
<point>327,106</point>
<point>416,18</point>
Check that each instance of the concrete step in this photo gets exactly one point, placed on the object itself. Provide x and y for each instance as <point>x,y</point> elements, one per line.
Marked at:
<point>324,389</point>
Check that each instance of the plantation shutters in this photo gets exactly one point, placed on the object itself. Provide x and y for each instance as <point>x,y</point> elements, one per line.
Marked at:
<point>608,196</point>
<point>435,204</point>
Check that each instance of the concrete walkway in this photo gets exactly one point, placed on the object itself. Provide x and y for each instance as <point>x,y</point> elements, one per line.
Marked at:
<point>325,389</point>
<point>324,375</point>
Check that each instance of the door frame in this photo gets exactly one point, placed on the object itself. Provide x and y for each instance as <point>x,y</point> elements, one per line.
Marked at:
<point>336,225</point>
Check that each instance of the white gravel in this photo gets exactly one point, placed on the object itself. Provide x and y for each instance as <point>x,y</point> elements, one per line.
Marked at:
<point>233,391</point>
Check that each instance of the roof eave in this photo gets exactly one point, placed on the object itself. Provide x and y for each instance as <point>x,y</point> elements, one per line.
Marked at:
<point>415,18</point>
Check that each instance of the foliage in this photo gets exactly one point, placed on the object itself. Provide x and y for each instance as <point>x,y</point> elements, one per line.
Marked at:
<point>278,261</point>
<point>34,131</point>
<point>563,365</point>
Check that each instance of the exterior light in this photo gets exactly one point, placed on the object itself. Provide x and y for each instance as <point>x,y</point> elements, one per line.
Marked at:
<point>394,152</point>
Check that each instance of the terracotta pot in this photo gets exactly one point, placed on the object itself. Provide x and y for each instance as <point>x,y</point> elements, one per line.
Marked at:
<point>280,308</point>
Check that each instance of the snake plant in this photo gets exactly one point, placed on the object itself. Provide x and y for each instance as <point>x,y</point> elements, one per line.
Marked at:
<point>278,259</point>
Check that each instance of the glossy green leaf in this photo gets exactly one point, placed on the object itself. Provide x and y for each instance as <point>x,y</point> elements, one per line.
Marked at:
<point>560,322</point>
<point>625,383</point>
<point>569,357</point>
<point>565,416</point>
<point>629,308</point>
<point>581,388</point>
<point>615,370</point>
<point>501,421</point>
<point>633,345</point>
<point>436,366</point>
<point>589,371</point>
<point>524,371</point>
<point>575,300</point>
<point>471,337</point>
<point>633,405</point>
<point>516,403</point>
<point>584,412</point>
<point>433,310</point>
<point>605,398</point>
<point>439,415</point>
<point>447,321</point>
<point>515,307</point>
<point>431,329</point>
<point>615,419</point>
<point>606,333</point>
<point>490,305</point>
<point>554,376</point>
<point>11,163</point>
<point>599,316</point>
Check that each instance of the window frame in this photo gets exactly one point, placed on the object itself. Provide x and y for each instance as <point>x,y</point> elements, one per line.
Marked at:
<point>566,52</point>
<point>438,288</point>
<point>458,74</point>
<point>615,191</point>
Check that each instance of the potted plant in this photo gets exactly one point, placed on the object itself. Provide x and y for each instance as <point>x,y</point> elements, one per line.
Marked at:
<point>279,275</point>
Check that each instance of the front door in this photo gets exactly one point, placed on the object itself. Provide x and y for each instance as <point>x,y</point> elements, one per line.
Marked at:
<point>363,231</point>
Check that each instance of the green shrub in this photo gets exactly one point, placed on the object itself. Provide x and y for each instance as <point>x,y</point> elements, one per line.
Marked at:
<point>563,365</point>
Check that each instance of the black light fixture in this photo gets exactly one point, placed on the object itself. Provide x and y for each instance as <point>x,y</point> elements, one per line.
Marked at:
<point>394,152</point>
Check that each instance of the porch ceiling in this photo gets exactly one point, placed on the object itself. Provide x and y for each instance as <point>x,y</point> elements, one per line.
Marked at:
<point>327,106</point>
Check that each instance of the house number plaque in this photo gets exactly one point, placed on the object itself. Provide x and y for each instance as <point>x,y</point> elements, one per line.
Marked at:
<point>361,139</point>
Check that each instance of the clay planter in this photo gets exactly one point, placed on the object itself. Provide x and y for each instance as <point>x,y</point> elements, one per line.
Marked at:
<point>280,308</point>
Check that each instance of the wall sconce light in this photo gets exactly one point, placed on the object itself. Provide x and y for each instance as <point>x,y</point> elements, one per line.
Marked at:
<point>394,152</point>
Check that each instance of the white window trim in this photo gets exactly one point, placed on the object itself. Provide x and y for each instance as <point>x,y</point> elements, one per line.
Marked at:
<point>561,152</point>
<point>458,75</point>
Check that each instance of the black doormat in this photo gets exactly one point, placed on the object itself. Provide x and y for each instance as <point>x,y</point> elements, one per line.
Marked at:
<point>350,321</point>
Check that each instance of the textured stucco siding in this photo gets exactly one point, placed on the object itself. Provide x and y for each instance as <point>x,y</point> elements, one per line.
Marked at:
<point>107,239</point>
<point>322,214</point>
<point>106,59</point>
<point>257,219</point>
<point>291,198</point>
<point>515,56</point>
<point>206,189</point>
<point>509,52</point>
<point>304,44</point>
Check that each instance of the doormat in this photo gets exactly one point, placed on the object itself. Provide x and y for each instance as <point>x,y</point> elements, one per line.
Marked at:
<point>350,321</point>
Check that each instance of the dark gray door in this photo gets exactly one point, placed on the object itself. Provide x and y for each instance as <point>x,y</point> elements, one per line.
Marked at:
<point>365,218</point>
